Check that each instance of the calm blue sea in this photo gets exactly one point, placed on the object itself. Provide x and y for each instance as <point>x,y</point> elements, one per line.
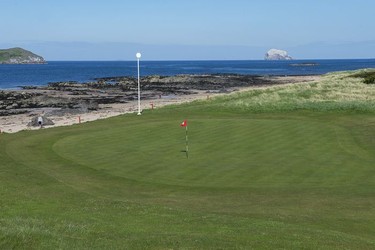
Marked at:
<point>14,76</point>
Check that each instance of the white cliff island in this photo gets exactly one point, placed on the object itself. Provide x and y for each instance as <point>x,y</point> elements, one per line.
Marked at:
<point>276,54</point>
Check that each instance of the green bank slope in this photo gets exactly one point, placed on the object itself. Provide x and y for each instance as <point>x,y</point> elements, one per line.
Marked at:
<point>284,167</point>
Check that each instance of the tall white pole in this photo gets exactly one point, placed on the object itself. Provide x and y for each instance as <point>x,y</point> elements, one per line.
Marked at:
<point>138,55</point>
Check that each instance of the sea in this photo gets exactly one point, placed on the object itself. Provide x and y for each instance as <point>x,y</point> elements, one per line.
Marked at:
<point>16,76</point>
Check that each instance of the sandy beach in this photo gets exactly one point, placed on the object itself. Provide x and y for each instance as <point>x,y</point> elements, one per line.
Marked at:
<point>18,122</point>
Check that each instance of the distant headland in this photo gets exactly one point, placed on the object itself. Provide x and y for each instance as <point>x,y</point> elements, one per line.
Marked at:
<point>19,56</point>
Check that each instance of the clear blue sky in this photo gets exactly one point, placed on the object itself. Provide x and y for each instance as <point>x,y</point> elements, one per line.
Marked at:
<point>189,29</point>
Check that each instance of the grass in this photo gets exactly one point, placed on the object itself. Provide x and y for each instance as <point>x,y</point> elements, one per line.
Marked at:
<point>368,75</point>
<point>334,92</point>
<point>295,172</point>
<point>15,53</point>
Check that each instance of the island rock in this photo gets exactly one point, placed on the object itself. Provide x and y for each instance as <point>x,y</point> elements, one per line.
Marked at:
<point>19,56</point>
<point>276,54</point>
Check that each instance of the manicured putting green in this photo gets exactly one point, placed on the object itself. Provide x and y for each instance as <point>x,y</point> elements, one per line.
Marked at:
<point>233,152</point>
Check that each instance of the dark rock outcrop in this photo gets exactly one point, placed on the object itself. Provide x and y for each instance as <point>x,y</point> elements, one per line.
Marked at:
<point>73,97</point>
<point>46,122</point>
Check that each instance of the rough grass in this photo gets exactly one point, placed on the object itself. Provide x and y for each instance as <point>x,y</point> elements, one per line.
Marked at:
<point>272,178</point>
<point>368,75</point>
<point>335,92</point>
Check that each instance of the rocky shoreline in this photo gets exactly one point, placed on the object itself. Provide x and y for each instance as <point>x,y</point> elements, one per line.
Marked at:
<point>62,99</point>
<point>82,97</point>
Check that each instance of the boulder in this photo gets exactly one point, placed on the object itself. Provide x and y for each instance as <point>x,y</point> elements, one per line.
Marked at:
<point>46,121</point>
<point>276,54</point>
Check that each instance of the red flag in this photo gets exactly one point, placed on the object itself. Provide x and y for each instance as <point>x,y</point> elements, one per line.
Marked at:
<point>184,123</point>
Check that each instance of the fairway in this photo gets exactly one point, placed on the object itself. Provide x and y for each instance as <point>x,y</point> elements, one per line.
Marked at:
<point>289,179</point>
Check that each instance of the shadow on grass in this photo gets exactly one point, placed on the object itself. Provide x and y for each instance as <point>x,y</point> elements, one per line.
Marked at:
<point>185,152</point>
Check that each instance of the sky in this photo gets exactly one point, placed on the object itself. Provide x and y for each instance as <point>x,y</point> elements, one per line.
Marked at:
<point>189,29</point>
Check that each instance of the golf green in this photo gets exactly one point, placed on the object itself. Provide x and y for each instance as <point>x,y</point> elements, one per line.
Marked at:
<point>286,167</point>
<point>223,152</point>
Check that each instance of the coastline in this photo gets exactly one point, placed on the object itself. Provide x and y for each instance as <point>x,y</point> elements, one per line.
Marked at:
<point>19,122</point>
<point>99,101</point>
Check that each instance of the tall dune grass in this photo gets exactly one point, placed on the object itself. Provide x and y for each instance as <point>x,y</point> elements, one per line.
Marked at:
<point>334,92</point>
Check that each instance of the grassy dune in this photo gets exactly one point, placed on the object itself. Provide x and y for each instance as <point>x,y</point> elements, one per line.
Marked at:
<point>336,92</point>
<point>282,167</point>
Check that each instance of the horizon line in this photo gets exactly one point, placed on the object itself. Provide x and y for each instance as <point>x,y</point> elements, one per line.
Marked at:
<point>209,60</point>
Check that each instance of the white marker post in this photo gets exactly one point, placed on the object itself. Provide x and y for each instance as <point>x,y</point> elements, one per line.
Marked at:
<point>138,55</point>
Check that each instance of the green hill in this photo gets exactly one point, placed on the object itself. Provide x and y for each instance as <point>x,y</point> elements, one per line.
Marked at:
<point>19,56</point>
<point>285,167</point>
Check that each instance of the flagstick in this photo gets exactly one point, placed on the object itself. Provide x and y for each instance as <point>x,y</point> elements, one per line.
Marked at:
<point>187,143</point>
